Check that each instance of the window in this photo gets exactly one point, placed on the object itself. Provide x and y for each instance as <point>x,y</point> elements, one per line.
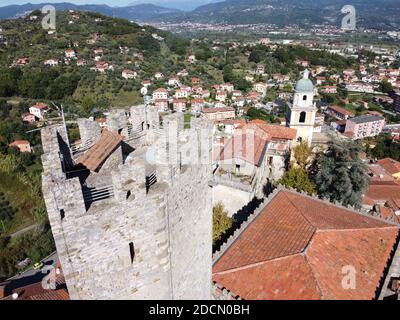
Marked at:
<point>302,117</point>
<point>132,251</point>
<point>62,214</point>
<point>238,167</point>
<point>304,98</point>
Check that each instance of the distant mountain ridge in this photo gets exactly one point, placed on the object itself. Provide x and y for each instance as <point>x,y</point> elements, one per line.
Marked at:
<point>381,14</point>
<point>138,12</point>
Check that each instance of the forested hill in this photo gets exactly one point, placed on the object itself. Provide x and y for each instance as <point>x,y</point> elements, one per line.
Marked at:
<point>370,13</point>
<point>122,45</point>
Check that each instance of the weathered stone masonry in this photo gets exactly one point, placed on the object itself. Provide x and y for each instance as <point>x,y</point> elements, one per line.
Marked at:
<point>141,242</point>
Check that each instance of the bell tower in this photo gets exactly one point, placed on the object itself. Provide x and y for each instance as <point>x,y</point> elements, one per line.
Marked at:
<point>301,115</point>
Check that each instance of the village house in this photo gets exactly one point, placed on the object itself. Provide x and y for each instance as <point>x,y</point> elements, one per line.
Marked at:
<point>320,80</point>
<point>179,105</point>
<point>218,113</point>
<point>22,61</point>
<point>391,166</point>
<point>98,52</point>
<point>102,67</point>
<point>197,105</point>
<point>158,75</point>
<point>160,94</point>
<point>22,145</point>
<point>146,83</point>
<point>182,73</point>
<point>228,87</point>
<point>256,152</point>
<point>81,62</point>
<point>364,126</point>
<point>161,104</point>
<point>339,112</point>
<point>129,74</point>
<point>221,96</point>
<point>206,94</point>
<point>280,78</point>
<point>249,78</point>
<point>260,69</point>
<point>174,82</point>
<point>195,80</point>
<point>192,59</point>
<point>39,110</point>
<point>28,117</point>
<point>70,54</point>
<point>229,126</point>
<point>360,87</point>
<point>303,63</point>
<point>261,87</point>
<point>329,89</point>
<point>51,62</point>
<point>181,93</point>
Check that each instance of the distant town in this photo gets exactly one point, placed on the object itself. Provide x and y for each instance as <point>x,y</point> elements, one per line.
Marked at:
<point>187,161</point>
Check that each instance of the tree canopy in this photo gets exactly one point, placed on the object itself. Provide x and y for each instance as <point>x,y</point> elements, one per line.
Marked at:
<point>340,174</point>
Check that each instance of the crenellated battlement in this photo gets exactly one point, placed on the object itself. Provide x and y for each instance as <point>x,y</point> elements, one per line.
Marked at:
<point>132,219</point>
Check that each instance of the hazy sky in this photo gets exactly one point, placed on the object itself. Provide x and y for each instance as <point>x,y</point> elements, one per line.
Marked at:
<point>109,2</point>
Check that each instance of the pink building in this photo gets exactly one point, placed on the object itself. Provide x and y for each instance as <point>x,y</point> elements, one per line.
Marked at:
<point>364,126</point>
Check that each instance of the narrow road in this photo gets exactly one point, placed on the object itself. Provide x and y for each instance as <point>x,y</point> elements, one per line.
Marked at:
<point>22,231</point>
<point>31,275</point>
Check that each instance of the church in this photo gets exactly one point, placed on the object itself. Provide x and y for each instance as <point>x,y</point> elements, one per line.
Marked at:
<point>302,112</point>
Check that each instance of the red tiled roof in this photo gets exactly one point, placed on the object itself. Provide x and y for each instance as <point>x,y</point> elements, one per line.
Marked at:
<point>41,106</point>
<point>216,110</point>
<point>341,110</point>
<point>101,150</point>
<point>274,131</point>
<point>390,165</point>
<point>296,249</point>
<point>19,142</point>
<point>37,292</point>
<point>246,147</point>
<point>383,190</point>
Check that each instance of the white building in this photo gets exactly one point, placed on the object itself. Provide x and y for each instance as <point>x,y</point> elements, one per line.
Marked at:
<point>302,112</point>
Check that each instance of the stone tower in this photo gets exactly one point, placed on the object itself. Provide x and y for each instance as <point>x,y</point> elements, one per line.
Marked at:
<point>301,115</point>
<point>142,227</point>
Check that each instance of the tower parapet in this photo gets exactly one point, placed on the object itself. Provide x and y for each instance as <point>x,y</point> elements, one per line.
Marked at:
<point>142,228</point>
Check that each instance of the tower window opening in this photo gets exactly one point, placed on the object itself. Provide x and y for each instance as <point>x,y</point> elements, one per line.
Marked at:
<point>305,98</point>
<point>302,117</point>
<point>132,251</point>
<point>62,214</point>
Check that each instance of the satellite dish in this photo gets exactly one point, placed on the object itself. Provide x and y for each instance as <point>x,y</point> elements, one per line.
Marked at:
<point>143,91</point>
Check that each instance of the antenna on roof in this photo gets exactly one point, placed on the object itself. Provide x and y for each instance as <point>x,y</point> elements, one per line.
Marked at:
<point>61,110</point>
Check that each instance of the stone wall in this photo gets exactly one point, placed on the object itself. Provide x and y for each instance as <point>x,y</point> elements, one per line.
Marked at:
<point>140,243</point>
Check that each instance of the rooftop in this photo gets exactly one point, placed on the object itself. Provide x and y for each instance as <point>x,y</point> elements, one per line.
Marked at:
<point>246,147</point>
<point>366,118</point>
<point>101,150</point>
<point>296,248</point>
<point>390,165</point>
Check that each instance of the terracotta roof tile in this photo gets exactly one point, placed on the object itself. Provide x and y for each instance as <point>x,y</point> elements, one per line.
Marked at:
<point>390,165</point>
<point>101,150</point>
<point>250,148</point>
<point>274,131</point>
<point>296,249</point>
